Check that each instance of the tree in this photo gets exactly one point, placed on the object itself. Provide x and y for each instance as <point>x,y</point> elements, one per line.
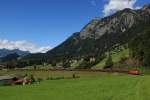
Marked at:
<point>66,64</point>
<point>10,64</point>
<point>109,63</point>
<point>32,78</point>
<point>35,67</point>
<point>85,64</point>
<point>53,63</point>
<point>140,47</point>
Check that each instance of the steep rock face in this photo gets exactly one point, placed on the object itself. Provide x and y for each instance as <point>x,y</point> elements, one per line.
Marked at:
<point>101,34</point>
<point>119,22</point>
<point>88,30</point>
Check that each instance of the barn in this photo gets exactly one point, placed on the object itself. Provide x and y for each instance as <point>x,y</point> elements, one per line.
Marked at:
<point>6,80</point>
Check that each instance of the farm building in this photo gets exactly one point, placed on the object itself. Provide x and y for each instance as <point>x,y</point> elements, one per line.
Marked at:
<point>4,80</point>
<point>9,80</point>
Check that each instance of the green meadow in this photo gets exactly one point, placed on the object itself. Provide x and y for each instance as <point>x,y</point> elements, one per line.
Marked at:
<point>116,57</point>
<point>90,86</point>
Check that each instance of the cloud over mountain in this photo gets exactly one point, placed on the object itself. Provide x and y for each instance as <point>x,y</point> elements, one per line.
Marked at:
<point>23,45</point>
<point>115,5</point>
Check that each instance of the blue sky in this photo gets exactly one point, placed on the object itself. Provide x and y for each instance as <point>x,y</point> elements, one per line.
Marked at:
<point>48,22</point>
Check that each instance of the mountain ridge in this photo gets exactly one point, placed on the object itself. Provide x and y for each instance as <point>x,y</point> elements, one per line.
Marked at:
<point>98,37</point>
<point>4,52</point>
<point>116,25</point>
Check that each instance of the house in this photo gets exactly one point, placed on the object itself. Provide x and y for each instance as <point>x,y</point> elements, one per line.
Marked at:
<point>5,80</point>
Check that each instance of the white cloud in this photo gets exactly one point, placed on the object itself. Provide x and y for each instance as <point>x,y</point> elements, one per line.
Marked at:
<point>23,45</point>
<point>115,5</point>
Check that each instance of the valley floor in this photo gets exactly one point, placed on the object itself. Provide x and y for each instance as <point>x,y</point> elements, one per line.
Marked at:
<point>90,86</point>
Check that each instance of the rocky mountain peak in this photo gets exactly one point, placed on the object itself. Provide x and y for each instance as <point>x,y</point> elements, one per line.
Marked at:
<point>147,6</point>
<point>121,21</point>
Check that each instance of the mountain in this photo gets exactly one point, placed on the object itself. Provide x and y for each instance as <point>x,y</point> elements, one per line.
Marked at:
<point>5,52</point>
<point>100,35</point>
<point>10,57</point>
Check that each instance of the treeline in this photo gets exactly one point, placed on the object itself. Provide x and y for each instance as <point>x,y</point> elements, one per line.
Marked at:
<point>140,47</point>
<point>15,61</point>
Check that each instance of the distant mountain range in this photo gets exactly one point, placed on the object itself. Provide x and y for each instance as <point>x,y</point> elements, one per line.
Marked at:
<point>6,52</point>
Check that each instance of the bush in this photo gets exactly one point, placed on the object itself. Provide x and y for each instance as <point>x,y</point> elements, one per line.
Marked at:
<point>25,75</point>
<point>39,79</point>
<point>32,78</point>
<point>74,76</point>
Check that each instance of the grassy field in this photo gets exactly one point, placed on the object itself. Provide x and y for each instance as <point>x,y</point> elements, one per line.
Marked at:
<point>116,57</point>
<point>90,86</point>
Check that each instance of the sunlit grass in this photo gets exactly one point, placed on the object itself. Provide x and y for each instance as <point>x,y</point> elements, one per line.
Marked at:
<point>116,57</point>
<point>90,86</point>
